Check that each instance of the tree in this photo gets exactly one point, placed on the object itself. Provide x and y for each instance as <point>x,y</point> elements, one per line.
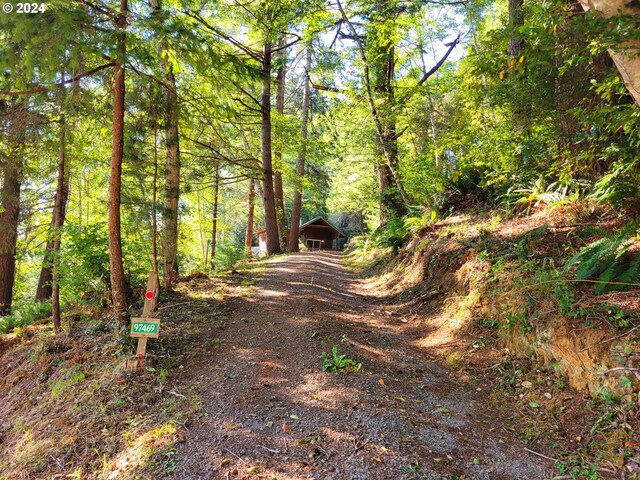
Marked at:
<point>248,241</point>
<point>14,116</point>
<point>214,221</point>
<point>277,174</point>
<point>294,232</point>
<point>118,289</point>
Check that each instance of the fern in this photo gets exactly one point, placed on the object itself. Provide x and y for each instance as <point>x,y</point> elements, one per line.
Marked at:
<point>604,259</point>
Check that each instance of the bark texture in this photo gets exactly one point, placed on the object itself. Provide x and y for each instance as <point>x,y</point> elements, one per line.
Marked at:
<point>270,218</point>
<point>118,290</point>
<point>59,207</point>
<point>277,154</point>
<point>294,232</point>
<point>214,222</point>
<point>248,239</point>
<point>172,176</point>
<point>10,183</point>
<point>44,290</point>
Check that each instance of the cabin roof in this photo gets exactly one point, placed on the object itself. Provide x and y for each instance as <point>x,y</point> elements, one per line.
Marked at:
<point>322,220</point>
<point>315,220</point>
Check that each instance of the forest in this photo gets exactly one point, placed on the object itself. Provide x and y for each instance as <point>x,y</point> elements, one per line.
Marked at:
<point>476,160</point>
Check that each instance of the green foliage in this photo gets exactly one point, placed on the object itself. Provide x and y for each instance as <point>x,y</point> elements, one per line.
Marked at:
<point>605,260</point>
<point>393,234</point>
<point>227,255</point>
<point>414,225</point>
<point>24,314</point>
<point>83,259</point>
<point>337,362</point>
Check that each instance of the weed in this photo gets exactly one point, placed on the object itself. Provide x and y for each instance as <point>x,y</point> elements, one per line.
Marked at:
<point>337,362</point>
<point>532,432</point>
<point>163,375</point>
<point>577,468</point>
<point>415,469</point>
<point>454,360</point>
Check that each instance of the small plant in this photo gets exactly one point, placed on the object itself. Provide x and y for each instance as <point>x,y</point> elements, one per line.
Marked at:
<point>414,468</point>
<point>577,468</point>
<point>336,362</point>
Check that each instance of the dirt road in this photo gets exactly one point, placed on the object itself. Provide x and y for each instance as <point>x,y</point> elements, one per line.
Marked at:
<point>268,411</point>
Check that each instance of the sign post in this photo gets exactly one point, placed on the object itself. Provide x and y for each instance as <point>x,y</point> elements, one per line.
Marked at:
<point>146,327</point>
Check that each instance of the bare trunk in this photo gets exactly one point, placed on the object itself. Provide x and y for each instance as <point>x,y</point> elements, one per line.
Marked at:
<point>10,182</point>
<point>516,20</point>
<point>214,227</point>
<point>393,201</point>
<point>172,178</point>
<point>277,174</point>
<point>294,232</point>
<point>154,206</point>
<point>44,290</point>
<point>58,221</point>
<point>627,57</point>
<point>248,239</point>
<point>118,291</point>
<point>172,171</point>
<point>270,219</point>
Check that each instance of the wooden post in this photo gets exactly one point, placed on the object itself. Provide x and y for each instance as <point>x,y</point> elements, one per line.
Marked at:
<point>150,304</point>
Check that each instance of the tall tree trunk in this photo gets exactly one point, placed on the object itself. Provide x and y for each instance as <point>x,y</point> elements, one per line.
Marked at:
<point>172,172</point>
<point>516,20</point>
<point>44,290</point>
<point>58,221</point>
<point>248,239</point>
<point>154,206</point>
<point>627,57</point>
<point>170,220</point>
<point>270,218</point>
<point>118,290</point>
<point>277,173</point>
<point>214,223</point>
<point>294,232</point>
<point>10,182</point>
<point>392,196</point>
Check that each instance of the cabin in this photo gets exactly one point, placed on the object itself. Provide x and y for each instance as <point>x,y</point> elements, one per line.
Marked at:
<point>316,234</point>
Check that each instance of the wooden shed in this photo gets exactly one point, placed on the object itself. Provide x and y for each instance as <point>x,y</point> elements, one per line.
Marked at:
<point>316,234</point>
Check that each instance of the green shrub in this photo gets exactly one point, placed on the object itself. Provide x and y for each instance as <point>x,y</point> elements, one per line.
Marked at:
<point>25,314</point>
<point>605,261</point>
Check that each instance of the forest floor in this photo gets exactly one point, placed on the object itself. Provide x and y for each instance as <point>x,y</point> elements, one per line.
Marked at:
<point>266,409</point>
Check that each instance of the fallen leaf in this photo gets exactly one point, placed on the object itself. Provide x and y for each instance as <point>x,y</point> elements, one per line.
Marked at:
<point>295,417</point>
<point>381,382</point>
<point>253,469</point>
<point>527,384</point>
<point>401,399</point>
<point>533,405</point>
<point>269,424</point>
<point>226,461</point>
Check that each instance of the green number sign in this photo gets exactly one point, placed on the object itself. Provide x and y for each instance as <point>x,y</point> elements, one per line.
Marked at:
<point>145,327</point>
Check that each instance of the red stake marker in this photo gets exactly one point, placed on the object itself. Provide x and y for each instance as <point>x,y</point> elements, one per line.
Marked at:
<point>149,295</point>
